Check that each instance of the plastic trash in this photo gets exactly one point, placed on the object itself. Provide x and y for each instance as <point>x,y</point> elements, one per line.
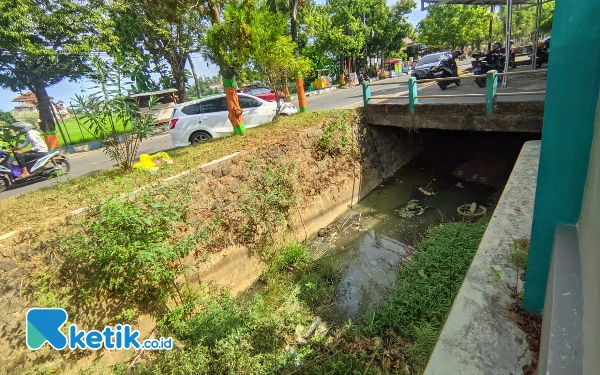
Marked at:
<point>151,163</point>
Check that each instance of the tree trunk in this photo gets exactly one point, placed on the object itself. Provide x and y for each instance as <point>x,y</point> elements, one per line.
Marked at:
<point>177,63</point>
<point>44,107</point>
<point>233,103</point>
<point>294,26</point>
<point>214,11</point>
<point>193,68</point>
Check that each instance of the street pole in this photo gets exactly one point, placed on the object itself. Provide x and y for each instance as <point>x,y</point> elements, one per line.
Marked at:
<point>507,41</point>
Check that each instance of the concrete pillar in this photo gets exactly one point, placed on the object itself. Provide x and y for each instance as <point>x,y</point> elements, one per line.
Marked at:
<point>566,135</point>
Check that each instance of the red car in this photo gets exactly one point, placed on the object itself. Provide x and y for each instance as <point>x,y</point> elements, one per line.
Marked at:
<point>262,92</point>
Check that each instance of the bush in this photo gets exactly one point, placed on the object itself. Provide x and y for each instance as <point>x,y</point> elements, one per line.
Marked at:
<point>132,247</point>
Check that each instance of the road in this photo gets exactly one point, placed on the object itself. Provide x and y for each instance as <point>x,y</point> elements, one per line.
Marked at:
<point>88,162</point>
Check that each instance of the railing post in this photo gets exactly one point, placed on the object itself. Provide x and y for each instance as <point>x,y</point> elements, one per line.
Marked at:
<point>412,94</point>
<point>491,85</point>
<point>366,93</point>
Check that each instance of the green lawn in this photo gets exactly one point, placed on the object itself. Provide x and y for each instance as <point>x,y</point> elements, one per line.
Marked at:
<point>75,134</point>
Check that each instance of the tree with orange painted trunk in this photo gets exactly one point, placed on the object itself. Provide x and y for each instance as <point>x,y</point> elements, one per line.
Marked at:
<point>230,45</point>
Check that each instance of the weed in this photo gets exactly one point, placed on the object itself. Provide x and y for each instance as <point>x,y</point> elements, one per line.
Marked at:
<point>520,253</point>
<point>132,247</point>
<point>270,196</point>
<point>335,138</point>
<point>46,295</point>
<point>426,287</point>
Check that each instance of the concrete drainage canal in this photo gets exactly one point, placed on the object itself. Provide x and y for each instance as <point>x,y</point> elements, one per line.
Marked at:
<point>459,177</point>
<point>371,257</point>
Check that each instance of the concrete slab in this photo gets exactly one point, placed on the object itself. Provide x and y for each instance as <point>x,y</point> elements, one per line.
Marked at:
<point>478,338</point>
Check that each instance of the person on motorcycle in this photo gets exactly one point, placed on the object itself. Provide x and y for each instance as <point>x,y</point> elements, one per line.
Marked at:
<point>452,62</point>
<point>497,48</point>
<point>38,147</point>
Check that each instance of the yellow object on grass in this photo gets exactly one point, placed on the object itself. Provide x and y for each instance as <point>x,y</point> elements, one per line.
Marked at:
<point>151,162</point>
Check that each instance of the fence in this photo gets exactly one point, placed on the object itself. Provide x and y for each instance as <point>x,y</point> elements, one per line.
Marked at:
<point>490,89</point>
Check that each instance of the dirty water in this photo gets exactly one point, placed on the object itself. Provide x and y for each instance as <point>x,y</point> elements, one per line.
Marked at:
<point>370,240</point>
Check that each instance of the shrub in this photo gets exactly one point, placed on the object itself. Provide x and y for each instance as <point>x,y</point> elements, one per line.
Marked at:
<point>132,247</point>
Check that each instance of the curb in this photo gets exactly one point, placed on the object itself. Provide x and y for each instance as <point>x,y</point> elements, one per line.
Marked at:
<point>84,147</point>
<point>315,92</point>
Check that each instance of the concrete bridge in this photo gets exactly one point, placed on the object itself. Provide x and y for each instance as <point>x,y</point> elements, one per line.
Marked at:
<point>518,110</point>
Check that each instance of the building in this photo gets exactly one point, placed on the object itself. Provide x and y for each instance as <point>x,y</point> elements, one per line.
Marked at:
<point>27,103</point>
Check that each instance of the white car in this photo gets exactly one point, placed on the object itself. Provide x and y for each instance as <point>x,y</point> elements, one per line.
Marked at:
<point>202,119</point>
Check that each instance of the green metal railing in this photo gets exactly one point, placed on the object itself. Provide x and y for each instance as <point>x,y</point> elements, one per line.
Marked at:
<point>413,97</point>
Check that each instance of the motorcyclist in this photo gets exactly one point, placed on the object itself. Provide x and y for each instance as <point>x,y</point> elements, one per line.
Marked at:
<point>452,62</point>
<point>38,147</point>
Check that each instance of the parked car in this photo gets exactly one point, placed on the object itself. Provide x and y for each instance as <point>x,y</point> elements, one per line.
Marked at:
<point>428,62</point>
<point>202,119</point>
<point>263,92</point>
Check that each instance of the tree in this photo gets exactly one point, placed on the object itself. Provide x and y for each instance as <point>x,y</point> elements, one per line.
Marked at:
<point>43,42</point>
<point>339,29</point>
<point>388,26</point>
<point>229,43</point>
<point>168,29</point>
<point>106,113</point>
<point>454,25</point>
<point>275,61</point>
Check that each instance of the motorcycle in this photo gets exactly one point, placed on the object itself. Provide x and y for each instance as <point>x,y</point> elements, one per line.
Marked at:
<point>444,70</point>
<point>363,78</point>
<point>48,166</point>
<point>491,61</point>
<point>543,53</point>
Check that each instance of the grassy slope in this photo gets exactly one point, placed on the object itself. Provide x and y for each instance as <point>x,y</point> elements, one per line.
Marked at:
<point>242,335</point>
<point>43,204</point>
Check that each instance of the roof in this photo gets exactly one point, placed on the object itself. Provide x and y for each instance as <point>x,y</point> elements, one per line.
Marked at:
<point>27,97</point>
<point>159,92</point>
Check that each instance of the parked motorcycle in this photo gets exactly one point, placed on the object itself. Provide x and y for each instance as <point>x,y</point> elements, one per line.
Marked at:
<point>543,53</point>
<point>444,70</point>
<point>48,166</point>
<point>491,61</point>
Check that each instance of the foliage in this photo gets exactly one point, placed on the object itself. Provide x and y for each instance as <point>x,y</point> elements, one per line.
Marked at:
<point>455,25</point>
<point>168,29</point>
<point>46,295</point>
<point>335,138</point>
<point>132,248</point>
<point>6,118</point>
<point>41,43</point>
<point>350,28</point>
<point>275,60</point>
<point>223,334</point>
<point>105,113</point>
<point>271,194</point>
<point>9,135</point>
<point>230,43</point>
<point>203,84</point>
<point>426,288</point>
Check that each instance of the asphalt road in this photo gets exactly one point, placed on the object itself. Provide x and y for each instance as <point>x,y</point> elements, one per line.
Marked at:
<point>92,161</point>
<point>88,162</point>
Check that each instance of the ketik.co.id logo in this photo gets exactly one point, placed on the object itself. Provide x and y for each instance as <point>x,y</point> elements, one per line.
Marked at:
<point>43,325</point>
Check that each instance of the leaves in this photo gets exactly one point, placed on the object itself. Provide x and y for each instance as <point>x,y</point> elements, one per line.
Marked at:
<point>455,25</point>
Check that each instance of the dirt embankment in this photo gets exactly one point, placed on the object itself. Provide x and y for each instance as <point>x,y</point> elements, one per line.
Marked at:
<point>288,185</point>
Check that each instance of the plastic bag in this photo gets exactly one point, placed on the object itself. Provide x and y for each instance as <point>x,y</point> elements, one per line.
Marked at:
<point>150,163</point>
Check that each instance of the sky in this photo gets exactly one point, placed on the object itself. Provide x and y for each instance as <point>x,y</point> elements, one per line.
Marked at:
<point>66,90</point>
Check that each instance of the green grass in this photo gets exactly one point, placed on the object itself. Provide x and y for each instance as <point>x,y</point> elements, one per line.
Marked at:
<point>80,192</point>
<point>223,334</point>
<point>426,288</point>
<point>76,134</point>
